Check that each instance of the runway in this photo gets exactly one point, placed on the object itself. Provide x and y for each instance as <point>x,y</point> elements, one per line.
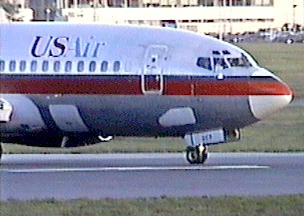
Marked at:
<point>29,177</point>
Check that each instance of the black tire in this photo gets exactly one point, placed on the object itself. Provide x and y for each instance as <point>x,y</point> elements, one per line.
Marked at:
<point>192,156</point>
<point>1,151</point>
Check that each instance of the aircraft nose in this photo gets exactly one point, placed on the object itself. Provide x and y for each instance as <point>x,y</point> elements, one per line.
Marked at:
<point>270,94</point>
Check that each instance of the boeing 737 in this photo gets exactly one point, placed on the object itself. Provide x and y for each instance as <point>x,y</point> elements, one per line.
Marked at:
<point>67,85</point>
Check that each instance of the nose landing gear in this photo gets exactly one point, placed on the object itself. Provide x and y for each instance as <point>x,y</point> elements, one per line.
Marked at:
<point>197,155</point>
<point>197,151</point>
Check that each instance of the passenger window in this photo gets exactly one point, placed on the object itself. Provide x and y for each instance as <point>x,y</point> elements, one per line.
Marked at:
<point>116,66</point>
<point>34,66</point>
<point>204,63</point>
<point>2,65</point>
<point>92,66</point>
<point>45,66</point>
<point>56,66</point>
<point>104,66</point>
<point>68,66</point>
<point>80,66</point>
<point>12,66</point>
<point>22,66</point>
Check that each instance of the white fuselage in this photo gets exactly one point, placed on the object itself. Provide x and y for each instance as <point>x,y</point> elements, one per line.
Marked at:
<point>89,80</point>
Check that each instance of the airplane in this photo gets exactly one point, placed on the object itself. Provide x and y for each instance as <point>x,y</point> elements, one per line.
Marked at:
<point>68,85</point>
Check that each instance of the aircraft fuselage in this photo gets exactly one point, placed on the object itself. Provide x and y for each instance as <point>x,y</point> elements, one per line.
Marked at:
<point>84,81</point>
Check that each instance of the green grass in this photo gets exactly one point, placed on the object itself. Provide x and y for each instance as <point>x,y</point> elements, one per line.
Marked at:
<point>249,206</point>
<point>284,131</point>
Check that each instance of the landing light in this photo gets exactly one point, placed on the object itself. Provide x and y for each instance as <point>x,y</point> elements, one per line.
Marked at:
<point>105,139</point>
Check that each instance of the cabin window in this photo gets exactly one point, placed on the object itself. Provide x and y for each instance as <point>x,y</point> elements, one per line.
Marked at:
<point>92,66</point>
<point>2,65</point>
<point>80,66</point>
<point>45,66</point>
<point>204,63</point>
<point>104,66</point>
<point>34,66</point>
<point>56,66</point>
<point>22,66</point>
<point>12,66</point>
<point>116,66</point>
<point>68,66</point>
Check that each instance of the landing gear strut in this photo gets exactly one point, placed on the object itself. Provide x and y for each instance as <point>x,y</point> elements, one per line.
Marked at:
<point>197,155</point>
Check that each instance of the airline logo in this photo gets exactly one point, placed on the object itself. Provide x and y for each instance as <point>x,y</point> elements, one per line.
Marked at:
<point>50,46</point>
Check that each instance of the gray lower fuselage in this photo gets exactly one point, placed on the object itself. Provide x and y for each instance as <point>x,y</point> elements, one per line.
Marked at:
<point>145,115</point>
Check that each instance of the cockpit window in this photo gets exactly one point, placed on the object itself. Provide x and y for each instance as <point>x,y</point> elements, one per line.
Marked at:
<point>220,60</point>
<point>204,63</point>
<point>219,64</point>
<point>239,62</point>
<point>226,52</point>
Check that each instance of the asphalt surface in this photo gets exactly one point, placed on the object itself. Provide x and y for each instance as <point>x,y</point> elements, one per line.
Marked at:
<point>29,177</point>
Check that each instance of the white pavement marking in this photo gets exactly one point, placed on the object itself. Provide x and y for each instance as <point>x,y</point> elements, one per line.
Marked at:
<point>147,168</point>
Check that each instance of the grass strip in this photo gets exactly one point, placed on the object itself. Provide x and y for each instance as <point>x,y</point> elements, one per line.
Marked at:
<point>249,206</point>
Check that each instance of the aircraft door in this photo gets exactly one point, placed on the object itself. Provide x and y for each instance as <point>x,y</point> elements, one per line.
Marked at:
<point>152,76</point>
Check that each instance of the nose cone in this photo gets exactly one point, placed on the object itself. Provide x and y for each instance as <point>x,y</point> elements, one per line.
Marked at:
<point>273,95</point>
<point>262,106</point>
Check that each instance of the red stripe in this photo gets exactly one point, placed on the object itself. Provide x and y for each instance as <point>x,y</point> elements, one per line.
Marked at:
<point>243,88</point>
<point>228,88</point>
<point>133,87</point>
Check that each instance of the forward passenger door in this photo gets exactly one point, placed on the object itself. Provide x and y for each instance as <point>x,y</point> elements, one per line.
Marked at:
<point>152,74</point>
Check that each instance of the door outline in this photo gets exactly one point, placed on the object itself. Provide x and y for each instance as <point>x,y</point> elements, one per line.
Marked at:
<point>152,81</point>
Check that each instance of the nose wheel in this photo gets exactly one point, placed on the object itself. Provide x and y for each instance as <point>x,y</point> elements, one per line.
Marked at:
<point>197,155</point>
